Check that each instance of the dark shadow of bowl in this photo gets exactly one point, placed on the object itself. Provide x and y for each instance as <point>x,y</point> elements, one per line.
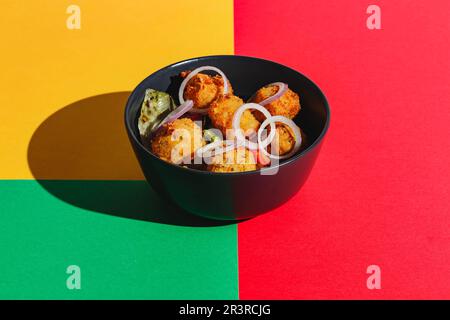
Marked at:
<point>81,155</point>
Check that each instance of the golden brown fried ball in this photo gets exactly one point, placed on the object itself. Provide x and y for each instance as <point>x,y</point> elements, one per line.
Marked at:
<point>177,140</point>
<point>236,160</point>
<point>221,114</point>
<point>286,140</point>
<point>287,105</point>
<point>202,89</point>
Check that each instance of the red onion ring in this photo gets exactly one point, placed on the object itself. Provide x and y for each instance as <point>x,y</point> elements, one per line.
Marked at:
<point>236,123</point>
<point>218,146</point>
<point>201,111</point>
<point>260,157</point>
<point>229,146</point>
<point>203,150</point>
<point>192,74</point>
<point>288,122</point>
<point>175,114</point>
<point>282,88</point>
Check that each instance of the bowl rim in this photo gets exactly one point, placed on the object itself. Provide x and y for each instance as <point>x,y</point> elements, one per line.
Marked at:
<point>258,171</point>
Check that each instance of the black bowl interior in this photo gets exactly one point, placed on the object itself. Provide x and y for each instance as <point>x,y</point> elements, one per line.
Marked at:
<point>247,75</point>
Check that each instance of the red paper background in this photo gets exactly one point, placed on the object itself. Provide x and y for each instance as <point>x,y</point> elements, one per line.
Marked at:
<point>379,191</point>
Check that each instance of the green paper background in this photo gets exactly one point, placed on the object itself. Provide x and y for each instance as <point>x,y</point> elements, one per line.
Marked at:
<point>120,258</point>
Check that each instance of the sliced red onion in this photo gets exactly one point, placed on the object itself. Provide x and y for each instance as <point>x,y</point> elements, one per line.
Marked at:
<point>218,148</point>
<point>263,159</point>
<point>236,123</point>
<point>230,145</point>
<point>175,114</point>
<point>282,88</point>
<point>260,158</point>
<point>192,74</point>
<point>206,148</point>
<point>288,122</point>
<point>201,111</point>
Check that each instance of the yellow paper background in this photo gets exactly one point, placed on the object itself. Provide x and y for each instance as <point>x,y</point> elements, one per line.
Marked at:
<point>46,67</point>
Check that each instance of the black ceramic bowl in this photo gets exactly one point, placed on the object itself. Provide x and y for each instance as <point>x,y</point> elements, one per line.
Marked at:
<point>240,195</point>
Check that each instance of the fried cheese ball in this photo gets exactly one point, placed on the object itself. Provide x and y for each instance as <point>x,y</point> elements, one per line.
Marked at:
<point>287,105</point>
<point>221,114</point>
<point>286,140</point>
<point>236,160</point>
<point>202,89</point>
<point>177,140</point>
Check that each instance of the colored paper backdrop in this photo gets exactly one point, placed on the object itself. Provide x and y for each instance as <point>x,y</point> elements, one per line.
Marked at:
<point>71,191</point>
